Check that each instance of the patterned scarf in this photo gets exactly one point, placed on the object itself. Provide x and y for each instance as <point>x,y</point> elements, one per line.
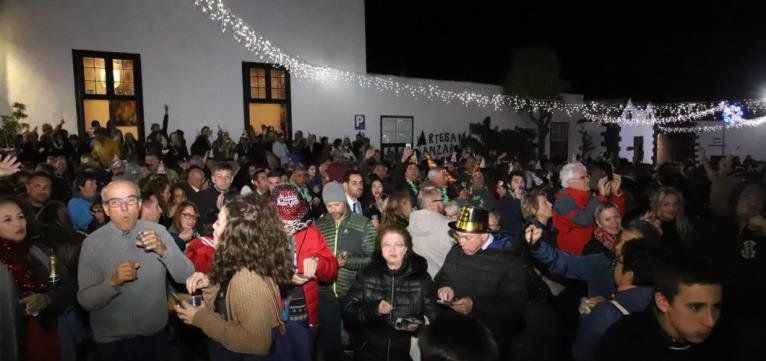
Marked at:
<point>443,193</point>
<point>16,258</point>
<point>412,186</point>
<point>607,239</point>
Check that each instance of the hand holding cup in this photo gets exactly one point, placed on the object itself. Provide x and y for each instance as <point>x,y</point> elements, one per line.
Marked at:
<point>150,241</point>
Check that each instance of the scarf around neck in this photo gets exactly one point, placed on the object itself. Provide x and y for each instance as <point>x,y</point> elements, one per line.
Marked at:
<point>607,239</point>
<point>16,258</point>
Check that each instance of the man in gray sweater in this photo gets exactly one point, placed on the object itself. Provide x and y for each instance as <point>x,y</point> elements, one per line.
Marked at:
<point>122,279</point>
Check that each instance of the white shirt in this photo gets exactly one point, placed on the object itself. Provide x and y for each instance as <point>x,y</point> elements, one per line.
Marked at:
<point>351,202</point>
<point>488,242</point>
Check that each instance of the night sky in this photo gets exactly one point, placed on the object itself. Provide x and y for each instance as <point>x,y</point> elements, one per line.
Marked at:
<point>650,52</point>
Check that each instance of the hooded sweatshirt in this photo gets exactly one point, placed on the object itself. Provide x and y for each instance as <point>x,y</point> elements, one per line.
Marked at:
<point>430,238</point>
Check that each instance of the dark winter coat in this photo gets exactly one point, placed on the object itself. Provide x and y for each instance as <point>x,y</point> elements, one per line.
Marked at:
<point>511,219</point>
<point>409,290</point>
<point>639,337</point>
<point>496,281</point>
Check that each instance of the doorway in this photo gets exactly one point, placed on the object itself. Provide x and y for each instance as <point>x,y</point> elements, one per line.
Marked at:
<point>673,147</point>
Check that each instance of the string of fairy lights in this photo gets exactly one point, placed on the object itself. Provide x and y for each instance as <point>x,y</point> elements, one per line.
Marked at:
<point>669,117</point>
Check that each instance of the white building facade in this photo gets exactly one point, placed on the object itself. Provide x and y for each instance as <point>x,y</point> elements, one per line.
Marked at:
<point>82,60</point>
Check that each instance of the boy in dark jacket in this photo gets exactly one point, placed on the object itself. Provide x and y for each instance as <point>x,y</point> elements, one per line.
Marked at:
<point>680,326</point>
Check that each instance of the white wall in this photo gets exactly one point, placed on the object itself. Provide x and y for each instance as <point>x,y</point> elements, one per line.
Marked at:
<point>627,134</point>
<point>190,65</point>
<point>749,140</point>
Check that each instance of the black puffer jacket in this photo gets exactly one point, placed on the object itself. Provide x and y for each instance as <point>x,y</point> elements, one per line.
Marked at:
<point>409,290</point>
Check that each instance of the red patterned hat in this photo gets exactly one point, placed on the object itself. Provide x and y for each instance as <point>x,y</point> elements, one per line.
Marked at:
<point>290,205</point>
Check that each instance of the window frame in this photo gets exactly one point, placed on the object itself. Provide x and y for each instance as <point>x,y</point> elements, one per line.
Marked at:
<point>246,94</point>
<point>559,142</point>
<point>397,147</point>
<point>79,85</point>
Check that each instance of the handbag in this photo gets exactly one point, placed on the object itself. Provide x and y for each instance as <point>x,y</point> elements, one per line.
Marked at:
<point>290,341</point>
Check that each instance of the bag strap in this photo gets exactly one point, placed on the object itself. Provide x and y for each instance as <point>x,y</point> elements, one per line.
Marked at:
<point>275,301</point>
<point>620,307</point>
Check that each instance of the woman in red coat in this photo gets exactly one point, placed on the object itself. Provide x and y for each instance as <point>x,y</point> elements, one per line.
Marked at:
<point>313,261</point>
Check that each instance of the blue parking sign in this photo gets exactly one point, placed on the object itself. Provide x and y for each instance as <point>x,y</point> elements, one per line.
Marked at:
<point>359,122</point>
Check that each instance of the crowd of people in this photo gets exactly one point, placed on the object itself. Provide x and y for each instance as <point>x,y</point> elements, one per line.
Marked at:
<point>300,249</point>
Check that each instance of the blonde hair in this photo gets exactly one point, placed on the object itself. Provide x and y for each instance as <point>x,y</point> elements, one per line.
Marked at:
<point>683,227</point>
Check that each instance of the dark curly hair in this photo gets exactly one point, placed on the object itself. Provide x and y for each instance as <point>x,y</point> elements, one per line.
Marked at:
<point>254,239</point>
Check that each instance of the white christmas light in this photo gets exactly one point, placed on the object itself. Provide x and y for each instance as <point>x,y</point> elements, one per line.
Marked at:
<point>716,128</point>
<point>634,116</point>
<point>629,114</point>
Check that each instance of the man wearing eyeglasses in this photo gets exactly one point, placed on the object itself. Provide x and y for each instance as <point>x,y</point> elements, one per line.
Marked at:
<point>575,206</point>
<point>122,279</point>
<point>430,230</point>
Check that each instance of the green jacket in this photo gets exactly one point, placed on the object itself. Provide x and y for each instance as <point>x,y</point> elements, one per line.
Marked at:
<point>355,235</point>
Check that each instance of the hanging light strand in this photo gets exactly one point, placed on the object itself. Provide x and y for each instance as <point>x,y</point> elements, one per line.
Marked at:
<point>601,112</point>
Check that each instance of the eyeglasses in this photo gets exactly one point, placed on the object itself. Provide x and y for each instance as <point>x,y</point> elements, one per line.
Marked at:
<point>189,216</point>
<point>119,202</point>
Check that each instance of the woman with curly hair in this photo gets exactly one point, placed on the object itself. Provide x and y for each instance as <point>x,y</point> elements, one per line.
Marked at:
<point>241,291</point>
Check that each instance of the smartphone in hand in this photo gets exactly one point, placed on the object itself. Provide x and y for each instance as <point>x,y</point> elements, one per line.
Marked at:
<point>444,303</point>
<point>609,172</point>
<point>403,324</point>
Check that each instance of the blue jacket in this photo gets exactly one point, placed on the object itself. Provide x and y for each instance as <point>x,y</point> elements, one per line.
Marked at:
<point>538,291</point>
<point>597,270</point>
<point>594,325</point>
<point>79,212</point>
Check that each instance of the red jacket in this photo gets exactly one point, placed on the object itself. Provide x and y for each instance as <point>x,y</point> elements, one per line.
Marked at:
<point>310,243</point>
<point>201,251</point>
<point>573,217</point>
